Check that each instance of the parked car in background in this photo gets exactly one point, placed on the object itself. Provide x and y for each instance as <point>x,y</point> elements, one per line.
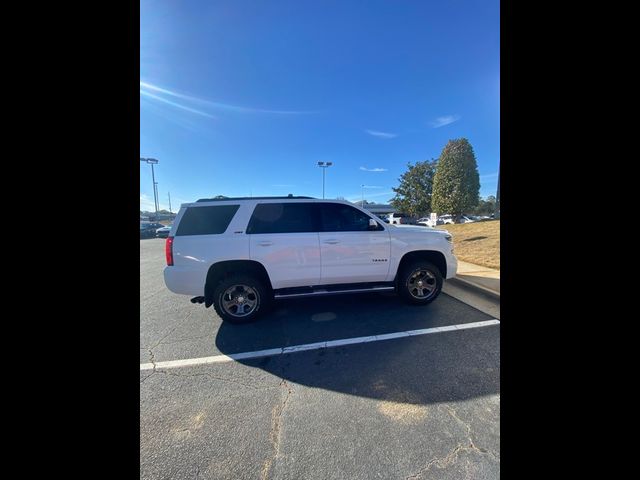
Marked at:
<point>401,219</point>
<point>449,219</point>
<point>148,229</point>
<point>426,221</point>
<point>163,232</point>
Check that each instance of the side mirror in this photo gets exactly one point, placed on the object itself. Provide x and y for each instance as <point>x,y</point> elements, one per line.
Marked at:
<point>373,225</point>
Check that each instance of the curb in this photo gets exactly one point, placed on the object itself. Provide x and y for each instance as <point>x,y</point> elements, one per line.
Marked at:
<point>466,283</point>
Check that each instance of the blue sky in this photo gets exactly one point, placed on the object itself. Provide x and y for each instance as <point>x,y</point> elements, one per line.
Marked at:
<point>243,97</point>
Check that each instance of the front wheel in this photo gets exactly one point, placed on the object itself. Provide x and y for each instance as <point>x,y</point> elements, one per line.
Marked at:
<point>419,283</point>
<point>240,299</point>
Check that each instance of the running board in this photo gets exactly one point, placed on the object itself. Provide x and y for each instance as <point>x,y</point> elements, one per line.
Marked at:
<point>320,292</point>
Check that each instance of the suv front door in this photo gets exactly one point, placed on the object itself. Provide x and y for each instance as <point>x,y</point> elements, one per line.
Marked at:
<point>284,238</point>
<point>350,251</point>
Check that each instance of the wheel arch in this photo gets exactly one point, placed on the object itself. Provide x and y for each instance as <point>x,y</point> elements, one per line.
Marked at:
<point>225,269</point>
<point>433,256</point>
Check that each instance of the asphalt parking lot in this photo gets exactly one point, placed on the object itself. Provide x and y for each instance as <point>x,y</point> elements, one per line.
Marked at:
<point>420,406</point>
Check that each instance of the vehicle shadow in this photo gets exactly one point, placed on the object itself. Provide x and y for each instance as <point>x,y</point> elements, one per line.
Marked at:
<point>426,369</point>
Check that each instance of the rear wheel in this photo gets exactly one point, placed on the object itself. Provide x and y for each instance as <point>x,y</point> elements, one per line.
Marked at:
<point>240,298</point>
<point>419,283</point>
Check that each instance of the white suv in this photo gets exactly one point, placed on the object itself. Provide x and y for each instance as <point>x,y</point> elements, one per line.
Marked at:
<point>239,254</point>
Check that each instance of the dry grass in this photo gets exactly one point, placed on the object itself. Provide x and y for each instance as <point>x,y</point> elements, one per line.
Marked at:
<point>477,242</point>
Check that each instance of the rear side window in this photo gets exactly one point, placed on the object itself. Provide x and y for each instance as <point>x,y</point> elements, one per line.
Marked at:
<point>206,220</point>
<point>282,218</point>
<point>336,217</point>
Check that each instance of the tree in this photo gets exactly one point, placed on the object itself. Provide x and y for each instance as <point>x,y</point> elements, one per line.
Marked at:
<point>456,184</point>
<point>485,207</point>
<point>413,195</point>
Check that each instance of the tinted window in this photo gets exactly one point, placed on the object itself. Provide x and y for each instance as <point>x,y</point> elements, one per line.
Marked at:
<point>282,218</point>
<point>206,220</point>
<point>336,217</point>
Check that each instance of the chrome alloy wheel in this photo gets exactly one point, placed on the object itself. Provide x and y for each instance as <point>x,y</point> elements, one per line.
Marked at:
<point>239,300</point>
<point>421,284</point>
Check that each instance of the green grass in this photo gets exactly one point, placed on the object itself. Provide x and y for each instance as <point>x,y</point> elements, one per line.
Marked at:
<point>477,242</point>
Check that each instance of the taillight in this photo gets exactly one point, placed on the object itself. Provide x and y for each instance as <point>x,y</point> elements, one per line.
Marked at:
<point>168,250</point>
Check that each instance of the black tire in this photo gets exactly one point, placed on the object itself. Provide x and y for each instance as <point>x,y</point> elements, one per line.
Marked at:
<point>408,286</point>
<point>255,296</point>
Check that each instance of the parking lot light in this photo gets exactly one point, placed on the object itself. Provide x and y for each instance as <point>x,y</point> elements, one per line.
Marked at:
<point>152,162</point>
<point>324,166</point>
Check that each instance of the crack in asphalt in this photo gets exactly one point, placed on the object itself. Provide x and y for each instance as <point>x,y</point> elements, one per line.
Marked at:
<point>152,358</point>
<point>184,339</point>
<point>179,323</point>
<point>452,456</point>
<point>143,380</point>
<point>276,428</point>
<point>472,445</point>
<point>153,362</point>
<point>442,462</point>
<point>223,379</point>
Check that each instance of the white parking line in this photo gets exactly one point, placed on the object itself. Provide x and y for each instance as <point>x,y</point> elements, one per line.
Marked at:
<point>190,362</point>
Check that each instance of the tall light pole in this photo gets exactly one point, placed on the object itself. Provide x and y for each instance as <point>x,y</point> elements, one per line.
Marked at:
<point>155,194</point>
<point>169,193</point>
<point>324,166</point>
<point>152,162</point>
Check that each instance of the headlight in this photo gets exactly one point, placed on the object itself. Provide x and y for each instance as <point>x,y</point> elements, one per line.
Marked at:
<point>450,240</point>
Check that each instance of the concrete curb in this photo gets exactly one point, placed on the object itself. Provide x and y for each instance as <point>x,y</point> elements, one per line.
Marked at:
<point>466,283</point>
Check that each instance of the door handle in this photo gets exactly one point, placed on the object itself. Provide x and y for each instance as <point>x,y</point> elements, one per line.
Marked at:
<point>265,243</point>
<point>331,242</point>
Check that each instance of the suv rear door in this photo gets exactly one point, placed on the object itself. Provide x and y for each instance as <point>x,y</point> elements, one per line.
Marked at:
<point>350,252</point>
<point>284,238</point>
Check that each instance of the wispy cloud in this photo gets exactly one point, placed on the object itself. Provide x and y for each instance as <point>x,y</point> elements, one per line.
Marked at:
<point>282,185</point>
<point>377,169</point>
<point>446,120</point>
<point>145,87</point>
<point>377,133</point>
<point>146,204</point>
<point>489,176</point>
<point>176,104</point>
<point>370,186</point>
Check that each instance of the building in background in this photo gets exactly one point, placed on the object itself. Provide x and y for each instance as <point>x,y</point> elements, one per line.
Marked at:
<point>378,209</point>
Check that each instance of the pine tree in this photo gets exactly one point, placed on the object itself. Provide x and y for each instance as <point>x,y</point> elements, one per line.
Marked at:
<point>456,184</point>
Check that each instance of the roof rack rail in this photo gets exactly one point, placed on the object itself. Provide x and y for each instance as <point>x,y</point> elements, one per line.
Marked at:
<point>220,198</point>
